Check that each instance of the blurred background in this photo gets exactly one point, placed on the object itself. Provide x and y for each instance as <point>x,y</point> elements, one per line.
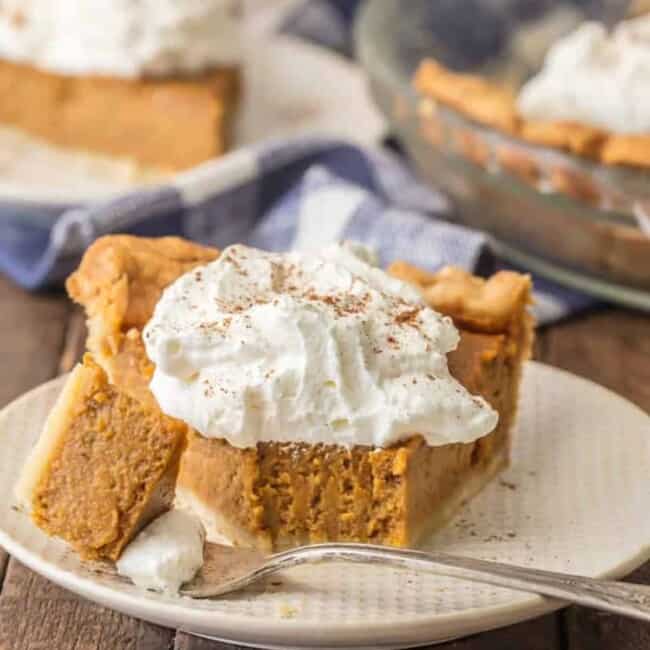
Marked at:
<point>291,124</point>
<point>133,101</point>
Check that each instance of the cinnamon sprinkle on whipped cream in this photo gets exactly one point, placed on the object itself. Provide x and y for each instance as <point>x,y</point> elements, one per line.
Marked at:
<point>307,347</point>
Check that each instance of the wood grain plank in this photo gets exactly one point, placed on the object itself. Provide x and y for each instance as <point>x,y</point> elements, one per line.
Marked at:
<point>539,634</point>
<point>32,329</point>
<point>587,629</point>
<point>36,614</point>
<point>613,349</point>
<point>31,334</point>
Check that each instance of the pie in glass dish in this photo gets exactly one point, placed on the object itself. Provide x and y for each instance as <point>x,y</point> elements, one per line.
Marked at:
<point>590,98</point>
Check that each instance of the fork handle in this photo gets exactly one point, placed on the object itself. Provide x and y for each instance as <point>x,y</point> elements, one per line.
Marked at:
<point>626,599</point>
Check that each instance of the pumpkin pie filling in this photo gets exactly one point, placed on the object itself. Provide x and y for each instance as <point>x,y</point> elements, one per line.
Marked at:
<point>104,466</point>
<point>278,494</point>
<point>163,125</point>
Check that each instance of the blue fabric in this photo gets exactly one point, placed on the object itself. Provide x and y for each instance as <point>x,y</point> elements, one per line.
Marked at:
<point>325,22</point>
<point>301,193</point>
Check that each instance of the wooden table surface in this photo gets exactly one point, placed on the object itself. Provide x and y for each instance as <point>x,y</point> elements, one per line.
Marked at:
<point>42,335</point>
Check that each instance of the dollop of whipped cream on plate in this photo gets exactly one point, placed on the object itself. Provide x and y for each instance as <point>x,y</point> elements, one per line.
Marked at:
<point>122,38</point>
<point>596,78</point>
<point>166,554</point>
<point>307,347</point>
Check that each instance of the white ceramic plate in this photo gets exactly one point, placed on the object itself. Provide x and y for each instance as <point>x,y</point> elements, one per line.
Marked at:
<point>290,88</point>
<point>575,499</point>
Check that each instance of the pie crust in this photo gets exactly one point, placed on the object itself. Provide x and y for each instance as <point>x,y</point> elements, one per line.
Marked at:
<point>488,103</point>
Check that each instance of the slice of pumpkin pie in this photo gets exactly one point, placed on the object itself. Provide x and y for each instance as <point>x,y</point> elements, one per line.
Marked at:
<point>154,85</point>
<point>324,399</point>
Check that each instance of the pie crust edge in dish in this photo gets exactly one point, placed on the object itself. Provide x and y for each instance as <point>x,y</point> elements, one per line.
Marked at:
<point>495,106</point>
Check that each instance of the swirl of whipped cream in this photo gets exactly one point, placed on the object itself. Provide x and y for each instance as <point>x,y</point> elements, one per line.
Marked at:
<point>595,77</point>
<point>314,348</point>
<point>121,38</point>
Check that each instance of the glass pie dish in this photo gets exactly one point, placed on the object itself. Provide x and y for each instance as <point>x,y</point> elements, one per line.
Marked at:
<point>574,220</point>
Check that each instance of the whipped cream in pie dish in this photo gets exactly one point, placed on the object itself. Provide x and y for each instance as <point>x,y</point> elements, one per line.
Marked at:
<point>121,38</point>
<point>596,78</point>
<point>307,347</point>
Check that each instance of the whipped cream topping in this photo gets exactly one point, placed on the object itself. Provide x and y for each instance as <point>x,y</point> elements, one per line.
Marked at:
<point>596,78</point>
<point>166,554</point>
<point>307,347</point>
<point>123,38</point>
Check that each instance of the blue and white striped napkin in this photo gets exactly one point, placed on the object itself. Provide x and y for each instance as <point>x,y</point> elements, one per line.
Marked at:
<point>300,194</point>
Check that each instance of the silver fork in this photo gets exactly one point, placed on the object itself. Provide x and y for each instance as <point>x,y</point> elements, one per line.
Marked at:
<point>227,569</point>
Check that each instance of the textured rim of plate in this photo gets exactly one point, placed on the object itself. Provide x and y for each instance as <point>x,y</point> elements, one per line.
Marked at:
<point>27,195</point>
<point>412,631</point>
